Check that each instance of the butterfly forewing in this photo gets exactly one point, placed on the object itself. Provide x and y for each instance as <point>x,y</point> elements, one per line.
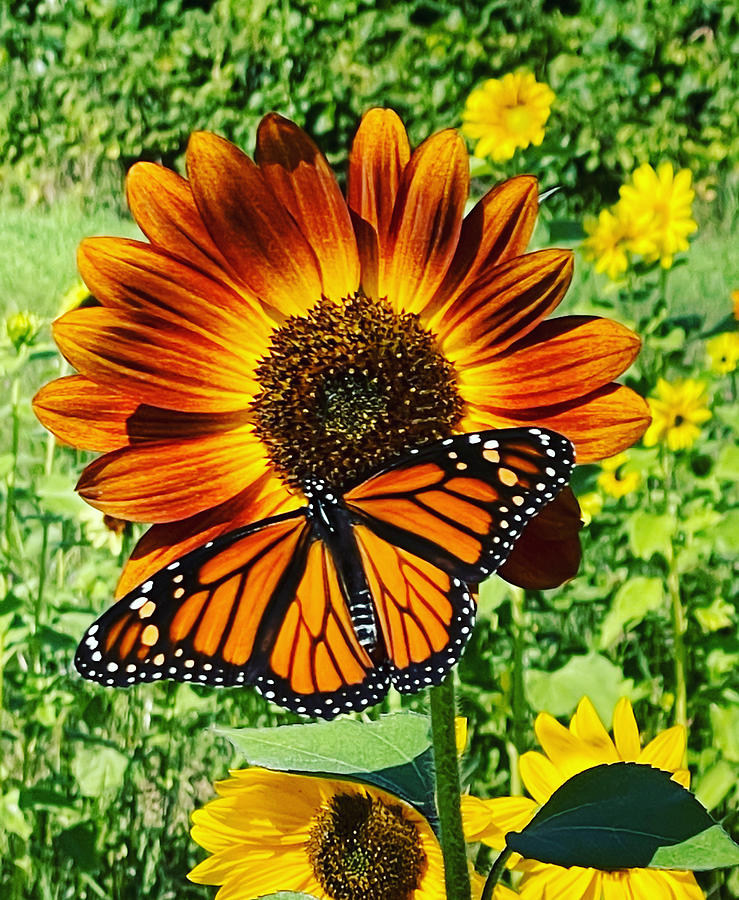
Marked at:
<point>462,502</point>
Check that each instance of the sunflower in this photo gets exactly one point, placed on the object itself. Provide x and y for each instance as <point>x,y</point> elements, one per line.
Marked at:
<point>616,478</point>
<point>723,352</point>
<point>333,839</point>
<point>659,202</point>
<point>506,113</point>
<point>678,411</point>
<point>270,330</point>
<point>566,753</point>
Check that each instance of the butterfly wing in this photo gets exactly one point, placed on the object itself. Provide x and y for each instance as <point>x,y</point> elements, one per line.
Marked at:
<point>461,503</point>
<point>261,605</point>
<point>425,615</point>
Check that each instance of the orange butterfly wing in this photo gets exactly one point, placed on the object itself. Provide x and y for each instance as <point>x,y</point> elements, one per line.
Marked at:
<point>262,605</point>
<point>462,503</point>
<point>425,615</point>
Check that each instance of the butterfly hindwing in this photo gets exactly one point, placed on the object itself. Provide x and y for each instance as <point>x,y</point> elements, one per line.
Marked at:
<point>461,503</point>
<point>425,616</point>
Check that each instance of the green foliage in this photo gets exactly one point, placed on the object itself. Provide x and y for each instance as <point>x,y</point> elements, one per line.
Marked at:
<point>624,816</point>
<point>111,81</point>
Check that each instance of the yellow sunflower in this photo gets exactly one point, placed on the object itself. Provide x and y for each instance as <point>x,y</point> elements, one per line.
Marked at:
<point>608,241</point>
<point>723,352</point>
<point>568,751</point>
<point>659,203</point>
<point>333,839</point>
<point>506,113</point>
<point>678,411</point>
<point>616,479</point>
<point>271,330</point>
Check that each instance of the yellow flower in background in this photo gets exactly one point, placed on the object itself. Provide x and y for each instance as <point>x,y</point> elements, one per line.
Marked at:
<point>616,479</point>
<point>678,411</point>
<point>659,203</point>
<point>77,296</point>
<point>336,840</point>
<point>608,241</point>
<point>506,113</point>
<point>567,752</point>
<point>723,352</point>
<point>591,505</point>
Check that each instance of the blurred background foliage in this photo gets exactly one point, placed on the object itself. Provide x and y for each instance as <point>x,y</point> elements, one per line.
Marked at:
<point>92,85</point>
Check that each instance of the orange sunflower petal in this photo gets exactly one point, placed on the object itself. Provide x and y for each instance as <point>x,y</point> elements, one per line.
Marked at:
<point>497,230</point>
<point>558,361</point>
<point>503,306</point>
<point>302,180</point>
<point>548,552</point>
<point>83,414</point>
<point>132,275</point>
<point>257,235</point>
<point>162,544</point>
<point>379,154</point>
<point>166,481</point>
<point>149,359</point>
<point>426,222</point>
<point>164,208</point>
<point>599,424</point>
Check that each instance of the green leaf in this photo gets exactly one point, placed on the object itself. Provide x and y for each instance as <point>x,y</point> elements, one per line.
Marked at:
<point>98,769</point>
<point>78,844</point>
<point>711,849</point>
<point>727,465</point>
<point>342,747</point>
<point>727,533</point>
<point>393,753</point>
<point>634,599</point>
<point>560,691</point>
<point>650,533</point>
<point>624,816</point>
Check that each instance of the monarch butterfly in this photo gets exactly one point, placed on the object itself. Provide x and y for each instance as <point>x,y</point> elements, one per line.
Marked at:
<point>322,608</point>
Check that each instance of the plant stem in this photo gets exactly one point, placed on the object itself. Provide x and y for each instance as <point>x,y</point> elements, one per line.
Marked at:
<point>514,745</point>
<point>15,428</point>
<point>679,625</point>
<point>456,872</point>
<point>495,873</point>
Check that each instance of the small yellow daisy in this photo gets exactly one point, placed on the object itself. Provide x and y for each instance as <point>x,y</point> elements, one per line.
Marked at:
<point>608,241</point>
<point>333,839</point>
<point>506,113</point>
<point>659,204</point>
<point>678,411</point>
<point>616,479</point>
<point>568,751</point>
<point>723,352</point>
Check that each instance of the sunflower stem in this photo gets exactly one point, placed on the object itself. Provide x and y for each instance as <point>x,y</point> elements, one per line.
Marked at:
<point>456,872</point>
<point>514,745</point>
<point>679,625</point>
<point>495,873</point>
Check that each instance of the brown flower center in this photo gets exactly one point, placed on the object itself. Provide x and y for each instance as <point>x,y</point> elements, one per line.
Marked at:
<point>363,849</point>
<point>349,386</point>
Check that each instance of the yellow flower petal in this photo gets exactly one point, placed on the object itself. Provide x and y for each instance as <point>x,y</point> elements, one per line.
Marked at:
<point>540,776</point>
<point>588,727</point>
<point>626,731</point>
<point>568,753</point>
<point>667,750</point>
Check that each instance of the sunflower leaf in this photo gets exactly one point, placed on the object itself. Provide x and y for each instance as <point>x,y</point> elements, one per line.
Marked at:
<point>624,816</point>
<point>342,747</point>
<point>393,753</point>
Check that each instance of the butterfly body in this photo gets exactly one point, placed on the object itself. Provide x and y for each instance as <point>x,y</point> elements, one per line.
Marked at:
<point>325,607</point>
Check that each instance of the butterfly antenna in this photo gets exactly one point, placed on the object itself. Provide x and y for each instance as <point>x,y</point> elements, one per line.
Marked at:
<point>547,194</point>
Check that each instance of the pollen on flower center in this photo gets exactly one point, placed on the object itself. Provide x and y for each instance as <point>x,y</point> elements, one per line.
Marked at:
<point>349,386</point>
<point>361,848</point>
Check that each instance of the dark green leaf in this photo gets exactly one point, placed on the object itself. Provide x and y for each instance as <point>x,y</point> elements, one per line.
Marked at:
<point>612,817</point>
